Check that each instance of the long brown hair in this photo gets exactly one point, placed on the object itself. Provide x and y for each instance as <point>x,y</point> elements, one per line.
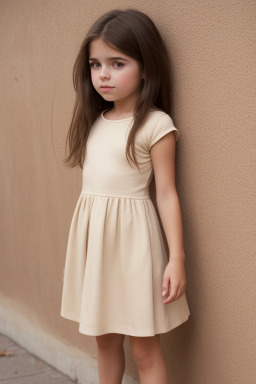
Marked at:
<point>133,33</point>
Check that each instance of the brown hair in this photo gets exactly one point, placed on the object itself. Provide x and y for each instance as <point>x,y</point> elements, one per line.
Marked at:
<point>133,33</point>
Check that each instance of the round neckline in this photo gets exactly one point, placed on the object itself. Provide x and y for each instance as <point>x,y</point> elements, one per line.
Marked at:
<point>114,121</point>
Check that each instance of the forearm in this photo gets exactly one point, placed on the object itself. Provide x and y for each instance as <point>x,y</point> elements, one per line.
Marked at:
<point>170,214</point>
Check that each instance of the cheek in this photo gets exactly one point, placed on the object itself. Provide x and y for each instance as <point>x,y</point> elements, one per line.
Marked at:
<point>128,80</point>
<point>93,78</point>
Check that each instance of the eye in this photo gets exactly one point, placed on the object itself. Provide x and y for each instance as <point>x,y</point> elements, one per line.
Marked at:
<point>94,64</point>
<point>118,65</point>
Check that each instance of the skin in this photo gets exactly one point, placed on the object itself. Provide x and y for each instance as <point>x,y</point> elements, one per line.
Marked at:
<point>124,76</point>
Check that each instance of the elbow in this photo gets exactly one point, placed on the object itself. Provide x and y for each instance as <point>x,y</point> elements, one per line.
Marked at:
<point>163,196</point>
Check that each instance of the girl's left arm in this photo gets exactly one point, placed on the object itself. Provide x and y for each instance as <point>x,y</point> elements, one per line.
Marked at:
<point>163,160</point>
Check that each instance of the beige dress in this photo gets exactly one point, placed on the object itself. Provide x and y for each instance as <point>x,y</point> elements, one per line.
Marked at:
<point>115,256</point>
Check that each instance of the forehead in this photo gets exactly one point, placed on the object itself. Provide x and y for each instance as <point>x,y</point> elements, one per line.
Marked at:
<point>98,49</point>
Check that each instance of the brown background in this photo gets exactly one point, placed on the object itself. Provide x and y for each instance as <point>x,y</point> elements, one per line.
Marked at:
<point>212,50</point>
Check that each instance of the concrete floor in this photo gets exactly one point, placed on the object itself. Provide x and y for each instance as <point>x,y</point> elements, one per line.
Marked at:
<point>24,368</point>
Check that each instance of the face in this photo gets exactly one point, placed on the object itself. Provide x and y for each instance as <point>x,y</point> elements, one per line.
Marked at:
<point>115,76</point>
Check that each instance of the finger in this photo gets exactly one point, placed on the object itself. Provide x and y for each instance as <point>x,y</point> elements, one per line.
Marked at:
<point>173,294</point>
<point>181,289</point>
<point>179,293</point>
<point>165,285</point>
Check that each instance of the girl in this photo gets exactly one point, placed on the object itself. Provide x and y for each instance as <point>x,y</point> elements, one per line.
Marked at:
<point>117,278</point>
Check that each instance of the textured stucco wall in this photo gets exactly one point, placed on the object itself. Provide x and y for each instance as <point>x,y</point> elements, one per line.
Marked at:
<point>212,49</point>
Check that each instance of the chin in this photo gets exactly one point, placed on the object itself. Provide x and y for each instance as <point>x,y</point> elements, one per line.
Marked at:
<point>107,98</point>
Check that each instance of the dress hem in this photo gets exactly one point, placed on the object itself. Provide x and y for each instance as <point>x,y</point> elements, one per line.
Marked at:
<point>139,333</point>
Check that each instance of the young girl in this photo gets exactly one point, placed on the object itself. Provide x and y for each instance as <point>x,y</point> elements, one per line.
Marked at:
<point>118,279</point>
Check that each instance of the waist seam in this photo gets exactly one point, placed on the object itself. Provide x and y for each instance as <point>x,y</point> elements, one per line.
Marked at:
<point>116,196</point>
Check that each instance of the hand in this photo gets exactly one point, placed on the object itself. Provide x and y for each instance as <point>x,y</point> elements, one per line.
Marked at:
<point>174,281</point>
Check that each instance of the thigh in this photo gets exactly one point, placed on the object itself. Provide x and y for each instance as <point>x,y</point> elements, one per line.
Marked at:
<point>110,340</point>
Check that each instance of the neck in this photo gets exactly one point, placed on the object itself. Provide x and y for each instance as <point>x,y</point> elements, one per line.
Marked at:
<point>124,108</point>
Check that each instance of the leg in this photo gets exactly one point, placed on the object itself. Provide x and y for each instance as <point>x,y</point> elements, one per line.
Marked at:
<point>149,359</point>
<point>111,358</point>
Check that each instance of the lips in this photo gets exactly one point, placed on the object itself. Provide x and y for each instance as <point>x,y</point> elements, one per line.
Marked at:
<point>106,87</point>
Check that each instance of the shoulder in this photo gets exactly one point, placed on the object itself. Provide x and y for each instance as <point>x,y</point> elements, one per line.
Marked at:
<point>155,115</point>
<point>157,124</point>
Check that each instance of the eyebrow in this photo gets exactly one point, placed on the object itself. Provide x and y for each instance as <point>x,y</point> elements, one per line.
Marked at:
<point>110,58</point>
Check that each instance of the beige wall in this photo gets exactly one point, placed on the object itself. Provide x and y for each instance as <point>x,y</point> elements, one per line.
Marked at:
<point>212,47</point>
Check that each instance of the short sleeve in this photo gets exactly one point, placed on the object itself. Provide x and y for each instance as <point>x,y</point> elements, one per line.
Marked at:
<point>163,126</point>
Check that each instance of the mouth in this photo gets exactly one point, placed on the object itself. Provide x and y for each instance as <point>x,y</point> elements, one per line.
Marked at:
<point>106,88</point>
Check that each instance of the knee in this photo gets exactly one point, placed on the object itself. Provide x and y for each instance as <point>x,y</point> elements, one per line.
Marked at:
<point>143,354</point>
<point>142,357</point>
<point>109,340</point>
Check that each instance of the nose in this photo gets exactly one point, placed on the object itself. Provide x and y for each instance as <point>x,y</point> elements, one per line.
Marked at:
<point>104,73</point>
